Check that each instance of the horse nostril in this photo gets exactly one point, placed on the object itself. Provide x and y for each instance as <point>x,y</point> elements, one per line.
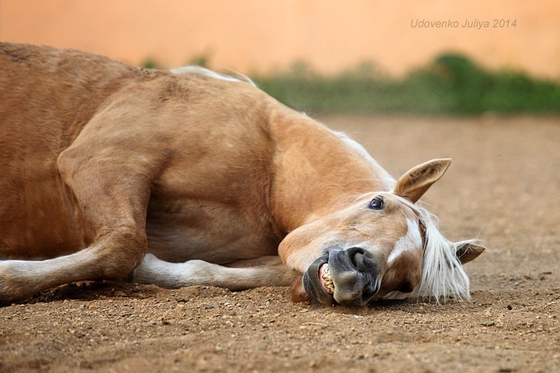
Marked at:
<point>354,273</point>
<point>359,257</point>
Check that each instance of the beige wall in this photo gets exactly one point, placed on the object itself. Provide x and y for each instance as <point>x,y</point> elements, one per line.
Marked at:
<point>263,35</point>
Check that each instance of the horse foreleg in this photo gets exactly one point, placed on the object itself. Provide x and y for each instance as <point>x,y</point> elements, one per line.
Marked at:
<point>198,272</point>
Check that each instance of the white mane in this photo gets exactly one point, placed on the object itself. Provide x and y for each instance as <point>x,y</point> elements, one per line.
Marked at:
<point>199,70</point>
<point>443,275</point>
<point>386,180</point>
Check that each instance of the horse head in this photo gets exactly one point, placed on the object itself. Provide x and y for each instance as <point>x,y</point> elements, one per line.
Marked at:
<point>382,244</point>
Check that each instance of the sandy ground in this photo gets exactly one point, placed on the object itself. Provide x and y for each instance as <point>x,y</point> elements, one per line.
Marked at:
<point>502,187</point>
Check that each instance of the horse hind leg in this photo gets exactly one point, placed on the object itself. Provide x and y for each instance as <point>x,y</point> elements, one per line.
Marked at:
<point>111,256</point>
<point>113,192</point>
<point>243,276</point>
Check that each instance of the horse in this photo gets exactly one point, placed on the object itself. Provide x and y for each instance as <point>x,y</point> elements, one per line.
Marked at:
<point>191,177</point>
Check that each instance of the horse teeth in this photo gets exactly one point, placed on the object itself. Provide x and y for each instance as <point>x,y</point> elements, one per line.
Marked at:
<point>328,280</point>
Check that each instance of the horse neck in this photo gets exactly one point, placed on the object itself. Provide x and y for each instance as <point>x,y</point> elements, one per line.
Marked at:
<point>317,172</point>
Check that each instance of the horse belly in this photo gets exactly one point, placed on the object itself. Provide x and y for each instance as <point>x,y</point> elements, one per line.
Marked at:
<point>215,233</point>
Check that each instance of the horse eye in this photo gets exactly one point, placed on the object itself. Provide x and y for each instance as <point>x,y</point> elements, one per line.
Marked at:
<point>376,203</point>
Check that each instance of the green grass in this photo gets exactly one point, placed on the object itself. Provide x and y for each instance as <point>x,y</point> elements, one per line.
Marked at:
<point>451,84</point>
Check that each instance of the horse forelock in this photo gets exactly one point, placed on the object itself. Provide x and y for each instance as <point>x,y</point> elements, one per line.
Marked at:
<point>443,275</point>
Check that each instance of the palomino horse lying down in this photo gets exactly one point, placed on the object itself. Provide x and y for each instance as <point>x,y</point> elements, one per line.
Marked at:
<point>188,177</point>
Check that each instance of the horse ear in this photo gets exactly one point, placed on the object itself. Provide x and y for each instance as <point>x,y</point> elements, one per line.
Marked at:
<point>414,183</point>
<point>468,251</point>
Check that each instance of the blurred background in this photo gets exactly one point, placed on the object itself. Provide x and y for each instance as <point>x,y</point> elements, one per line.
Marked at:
<point>436,56</point>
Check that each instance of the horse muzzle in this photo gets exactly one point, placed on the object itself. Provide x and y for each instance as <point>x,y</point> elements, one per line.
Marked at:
<point>345,276</point>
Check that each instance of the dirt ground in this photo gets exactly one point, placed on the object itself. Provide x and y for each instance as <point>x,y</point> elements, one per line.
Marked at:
<point>502,187</point>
